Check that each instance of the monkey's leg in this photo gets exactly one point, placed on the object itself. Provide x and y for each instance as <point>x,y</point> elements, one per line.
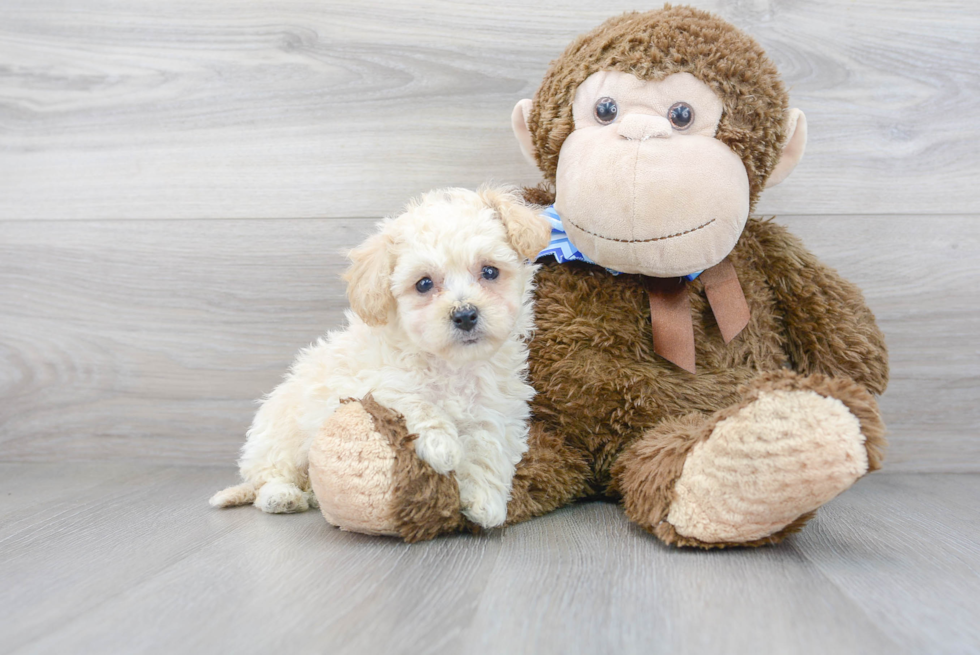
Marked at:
<point>756,472</point>
<point>549,476</point>
<point>368,478</point>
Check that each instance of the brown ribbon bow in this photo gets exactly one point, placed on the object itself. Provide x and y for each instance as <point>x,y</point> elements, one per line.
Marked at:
<point>670,311</point>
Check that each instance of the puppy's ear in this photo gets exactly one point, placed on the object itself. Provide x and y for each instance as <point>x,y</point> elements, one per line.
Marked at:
<point>527,231</point>
<point>369,279</point>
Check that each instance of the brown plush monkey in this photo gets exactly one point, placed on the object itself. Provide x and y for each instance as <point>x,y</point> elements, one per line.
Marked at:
<point>698,365</point>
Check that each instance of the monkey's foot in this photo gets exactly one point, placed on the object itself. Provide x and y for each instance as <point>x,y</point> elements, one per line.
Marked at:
<point>792,445</point>
<point>367,477</point>
<point>753,473</point>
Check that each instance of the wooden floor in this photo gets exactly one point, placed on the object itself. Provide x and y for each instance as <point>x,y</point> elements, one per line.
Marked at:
<point>120,558</point>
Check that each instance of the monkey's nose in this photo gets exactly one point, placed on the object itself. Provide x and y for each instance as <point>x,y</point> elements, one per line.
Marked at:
<point>640,127</point>
<point>465,317</point>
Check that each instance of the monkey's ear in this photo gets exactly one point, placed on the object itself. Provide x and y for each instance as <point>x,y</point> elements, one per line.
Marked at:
<point>793,148</point>
<point>527,231</point>
<point>518,121</point>
<point>369,279</point>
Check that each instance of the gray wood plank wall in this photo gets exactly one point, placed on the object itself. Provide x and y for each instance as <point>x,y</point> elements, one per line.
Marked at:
<point>177,180</point>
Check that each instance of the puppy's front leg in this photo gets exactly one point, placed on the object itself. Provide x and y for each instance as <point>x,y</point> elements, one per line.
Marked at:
<point>485,477</point>
<point>438,441</point>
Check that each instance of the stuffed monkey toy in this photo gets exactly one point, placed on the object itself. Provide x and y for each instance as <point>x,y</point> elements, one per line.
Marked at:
<point>695,364</point>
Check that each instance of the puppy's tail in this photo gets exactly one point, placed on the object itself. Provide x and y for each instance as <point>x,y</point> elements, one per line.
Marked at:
<point>241,494</point>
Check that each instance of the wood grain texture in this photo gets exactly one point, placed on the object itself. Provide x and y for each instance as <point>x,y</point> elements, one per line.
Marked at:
<point>261,109</point>
<point>882,546</point>
<point>919,276</point>
<point>131,559</point>
<point>151,339</point>
<point>598,584</point>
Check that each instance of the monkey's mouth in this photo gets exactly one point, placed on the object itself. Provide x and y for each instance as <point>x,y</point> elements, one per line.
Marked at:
<point>663,238</point>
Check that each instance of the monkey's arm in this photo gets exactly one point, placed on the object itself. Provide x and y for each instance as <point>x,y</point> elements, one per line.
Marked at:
<point>829,327</point>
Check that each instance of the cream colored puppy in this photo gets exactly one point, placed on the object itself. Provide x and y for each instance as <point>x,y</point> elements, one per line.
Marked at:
<point>441,299</point>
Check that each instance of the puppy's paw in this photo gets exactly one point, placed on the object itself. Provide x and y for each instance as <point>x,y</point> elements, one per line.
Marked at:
<point>484,508</point>
<point>282,498</point>
<point>440,449</point>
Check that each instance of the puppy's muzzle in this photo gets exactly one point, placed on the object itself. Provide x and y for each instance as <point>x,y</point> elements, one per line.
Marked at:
<point>465,317</point>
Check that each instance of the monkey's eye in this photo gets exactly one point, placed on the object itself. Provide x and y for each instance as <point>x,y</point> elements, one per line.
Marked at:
<point>681,115</point>
<point>490,273</point>
<point>606,110</point>
<point>424,285</point>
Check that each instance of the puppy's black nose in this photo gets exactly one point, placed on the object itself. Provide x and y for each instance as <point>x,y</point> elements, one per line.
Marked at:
<point>465,318</point>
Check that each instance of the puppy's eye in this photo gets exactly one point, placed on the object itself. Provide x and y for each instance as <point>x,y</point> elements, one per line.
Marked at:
<point>681,115</point>
<point>490,273</point>
<point>606,110</point>
<point>424,285</point>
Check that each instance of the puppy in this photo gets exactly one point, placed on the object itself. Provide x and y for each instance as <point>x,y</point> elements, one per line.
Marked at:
<point>441,300</point>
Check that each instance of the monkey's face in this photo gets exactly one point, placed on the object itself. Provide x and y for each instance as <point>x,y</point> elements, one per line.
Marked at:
<point>643,185</point>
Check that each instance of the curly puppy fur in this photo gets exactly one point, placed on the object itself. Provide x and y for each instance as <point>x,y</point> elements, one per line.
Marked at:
<point>461,390</point>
